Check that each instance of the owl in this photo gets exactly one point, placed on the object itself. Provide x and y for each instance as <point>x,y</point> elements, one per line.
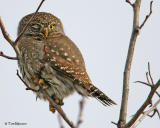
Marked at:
<point>49,60</point>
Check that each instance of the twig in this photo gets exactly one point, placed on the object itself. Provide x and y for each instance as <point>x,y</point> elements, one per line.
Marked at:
<point>145,114</point>
<point>149,71</point>
<point>147,15</point>
<point>129,2</point>
<point>149,85</point>
<point>27,87</point>
<point>5,34</point>
<point>126,77</point>
<point>60,121</point>
<point>82,103</point>
<point>8,57</point>
<point>147,78</point>
<point>154,112</point>
<point>30,20</point>
<point>145,104</point>
<point>114,123</point>
<point>158,113</point>
<point>143,83</point>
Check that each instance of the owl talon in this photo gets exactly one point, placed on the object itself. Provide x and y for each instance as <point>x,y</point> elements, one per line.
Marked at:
<point>57,101</point>
<point>51,108</point>
<point>44,86</point>
<point>41,81</point>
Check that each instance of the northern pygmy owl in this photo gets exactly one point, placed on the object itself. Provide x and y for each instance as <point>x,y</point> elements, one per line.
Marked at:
<point>48,59</point>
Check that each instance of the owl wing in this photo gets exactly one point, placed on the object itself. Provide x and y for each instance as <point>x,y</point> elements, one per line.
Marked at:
<point>55,49</point>
<point>62,46</point>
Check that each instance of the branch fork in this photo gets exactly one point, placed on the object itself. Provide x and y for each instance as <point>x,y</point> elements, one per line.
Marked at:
<point>124,104</point>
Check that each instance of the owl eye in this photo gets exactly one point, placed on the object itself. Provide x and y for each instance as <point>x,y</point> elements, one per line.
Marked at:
<point>52,27</point>
<point>35,27</point>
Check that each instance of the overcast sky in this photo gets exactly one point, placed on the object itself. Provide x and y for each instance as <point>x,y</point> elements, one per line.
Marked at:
<point>101,29</point>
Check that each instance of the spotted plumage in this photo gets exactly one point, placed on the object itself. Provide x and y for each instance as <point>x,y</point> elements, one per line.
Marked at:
<point>47,56</point>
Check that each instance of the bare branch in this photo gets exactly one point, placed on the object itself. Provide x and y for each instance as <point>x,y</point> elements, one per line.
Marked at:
<point>142,108</point>
<point>60,121</point>
<point>143,83</point>
<point>147,78</point>
<point>129,2</point>
<point>158,113</point>
<point>149,71</point>
<point>147,15</point>
<point>145,114</point>
<point>8,57</point>
<point>30,20</point>
<point>82,102</point>
<point>154,112</point>
<point>114,123</point>
<point>5,34</point>
<point>27,87</point>
<point>126,77</point>
<point>149,85</point>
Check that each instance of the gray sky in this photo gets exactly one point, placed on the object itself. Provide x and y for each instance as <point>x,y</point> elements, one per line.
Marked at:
<point>101,29</point>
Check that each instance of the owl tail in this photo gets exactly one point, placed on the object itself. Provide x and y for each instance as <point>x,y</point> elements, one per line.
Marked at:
<point>100,96</point>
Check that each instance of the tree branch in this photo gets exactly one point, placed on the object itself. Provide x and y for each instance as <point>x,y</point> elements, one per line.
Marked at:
<point>27,87</point>
<point>126,77</point>
<point>5,34</point>
<point>8,57</point>
<point>146,114</point>
<point>81,104</point>
<point>149,72</point>
<point>60,121</point>
<point>129,2</point>
<point>147,15</point>
<point>145,104</point>
<point>149,85</point>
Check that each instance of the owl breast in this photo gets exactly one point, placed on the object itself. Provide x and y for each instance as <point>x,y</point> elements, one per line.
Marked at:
<point>34,66</point>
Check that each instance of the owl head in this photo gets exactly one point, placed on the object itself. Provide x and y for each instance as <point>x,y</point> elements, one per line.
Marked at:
<point>42,26</point>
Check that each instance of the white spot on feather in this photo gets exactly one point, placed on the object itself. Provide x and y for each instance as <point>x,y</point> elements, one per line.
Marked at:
<point>68,59</point>
<point>52,50</point>
<point>65,54</point>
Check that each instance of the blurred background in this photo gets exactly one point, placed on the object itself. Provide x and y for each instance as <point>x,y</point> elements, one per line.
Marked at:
<point>101,29</point>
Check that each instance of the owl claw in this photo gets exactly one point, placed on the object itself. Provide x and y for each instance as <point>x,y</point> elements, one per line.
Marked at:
<point>58,102</point>
<point>44,86</point>
<point>51,108</point>
<point>41,82</point>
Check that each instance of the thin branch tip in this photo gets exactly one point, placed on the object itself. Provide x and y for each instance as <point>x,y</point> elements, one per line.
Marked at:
<point>7,57</point>
<point>5,33</point>
<point>129,2</point>
<point>147,16</point>
<point>114,123</point>
<point>81,109</point>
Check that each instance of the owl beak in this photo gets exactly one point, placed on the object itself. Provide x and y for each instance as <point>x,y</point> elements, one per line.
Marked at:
<point>46,32</point>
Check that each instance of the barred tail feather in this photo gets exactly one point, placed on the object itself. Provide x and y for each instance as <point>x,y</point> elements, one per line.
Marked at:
<point>100,96</point>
